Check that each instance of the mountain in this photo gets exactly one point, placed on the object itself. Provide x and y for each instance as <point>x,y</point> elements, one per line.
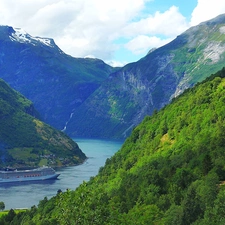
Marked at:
<point>140,88</point>
<point>25,141</point>
<point>55,82</point>
<point>169,171</point>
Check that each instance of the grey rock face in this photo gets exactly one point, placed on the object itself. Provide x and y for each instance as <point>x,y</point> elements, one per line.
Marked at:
<point>136,90</point>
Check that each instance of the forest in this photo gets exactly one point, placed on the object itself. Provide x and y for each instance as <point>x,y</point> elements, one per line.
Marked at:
<point>24,138</point>
<point>169,171</point>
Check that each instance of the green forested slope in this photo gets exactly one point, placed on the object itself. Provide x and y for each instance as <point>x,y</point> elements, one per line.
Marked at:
<point>55,82</point>
<point>136,90</point>
<point>169,171</point>
<point>25,141</point>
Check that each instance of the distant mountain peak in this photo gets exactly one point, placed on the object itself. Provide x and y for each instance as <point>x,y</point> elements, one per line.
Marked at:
<point>42,72</point>
<point>22,36</point>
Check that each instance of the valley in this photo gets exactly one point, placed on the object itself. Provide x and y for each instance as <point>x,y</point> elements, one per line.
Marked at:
<point>167,108</point>
<point>85,97</point>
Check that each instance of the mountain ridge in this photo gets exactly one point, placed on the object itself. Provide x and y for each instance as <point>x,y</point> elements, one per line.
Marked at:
<point>55,82</point>
<point>25,141</point>
<point>137,89</point>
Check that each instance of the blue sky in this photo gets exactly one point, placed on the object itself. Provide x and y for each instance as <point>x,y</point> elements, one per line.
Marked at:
<point>185,7</point>
<point>118,32</point>
<point>151,7</point>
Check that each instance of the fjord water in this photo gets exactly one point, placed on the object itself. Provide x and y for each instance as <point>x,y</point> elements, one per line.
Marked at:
<point>25,195</point>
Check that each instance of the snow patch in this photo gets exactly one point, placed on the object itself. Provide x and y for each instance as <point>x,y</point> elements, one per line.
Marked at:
<point>45,41</point>
<point>20,36</point>
<point>23,37</point>
<point>222,30</point>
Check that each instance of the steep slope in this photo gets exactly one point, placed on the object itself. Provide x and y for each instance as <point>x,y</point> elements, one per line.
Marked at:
<point>55,82</point>
<point>169,171</point>
<point>25,141</point>
<point>139,88</point>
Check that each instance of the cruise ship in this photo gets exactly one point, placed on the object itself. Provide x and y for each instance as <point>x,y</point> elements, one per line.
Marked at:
<point>42,173</point>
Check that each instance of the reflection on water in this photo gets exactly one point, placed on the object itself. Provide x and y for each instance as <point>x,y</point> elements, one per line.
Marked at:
<point>27,194</point>
<point>25,183</point>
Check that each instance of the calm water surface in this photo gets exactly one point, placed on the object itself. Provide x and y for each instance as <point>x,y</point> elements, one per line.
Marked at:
<point>25,195</point>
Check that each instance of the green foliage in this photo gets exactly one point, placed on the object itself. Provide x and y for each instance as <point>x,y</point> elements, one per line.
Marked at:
<point>25,140</point>
<point>169,171</point>
<point>2,206</point>
<point>55,82</point>
<point>139,88</point>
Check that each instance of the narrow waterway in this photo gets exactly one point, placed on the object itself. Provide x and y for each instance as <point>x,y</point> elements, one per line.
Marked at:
<point>25,195</point>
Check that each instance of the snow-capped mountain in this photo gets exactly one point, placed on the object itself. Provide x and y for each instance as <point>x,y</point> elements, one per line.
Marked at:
<point>22,36</point>
<point>56,82</point>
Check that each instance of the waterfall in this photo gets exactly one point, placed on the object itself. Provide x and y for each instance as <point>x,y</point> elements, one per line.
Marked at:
<point>64,129</point>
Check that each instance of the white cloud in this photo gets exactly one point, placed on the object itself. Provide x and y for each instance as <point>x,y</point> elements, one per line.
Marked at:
<point>207,9</point>
<point>168,23</point>
<point>155,30</point>
<point>143,43</point>
<point>80,28</point>
<point>114,63</point>
<point>96,27</point>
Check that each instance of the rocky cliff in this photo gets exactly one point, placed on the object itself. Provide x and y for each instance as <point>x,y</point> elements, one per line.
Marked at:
<point>138,89</point>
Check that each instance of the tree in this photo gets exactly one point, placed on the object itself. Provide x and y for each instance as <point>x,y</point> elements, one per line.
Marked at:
<point>10,216</point>
<point>191,207</point>
<point>2,206</point>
